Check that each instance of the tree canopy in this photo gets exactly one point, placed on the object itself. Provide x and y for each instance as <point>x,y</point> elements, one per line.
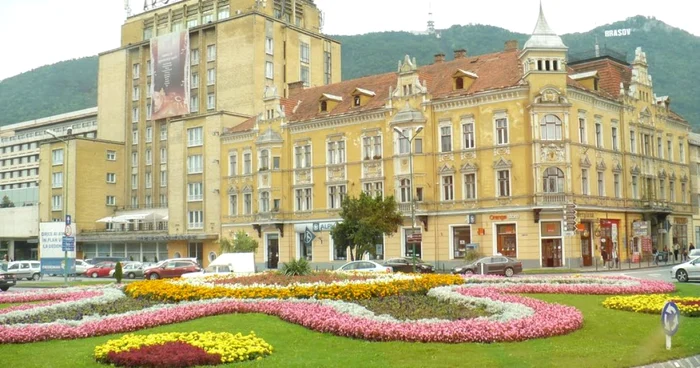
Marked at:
<point>242,243</point>
<point>365,220</point>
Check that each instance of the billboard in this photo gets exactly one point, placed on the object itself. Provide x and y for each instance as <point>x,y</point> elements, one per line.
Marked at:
<point>170,81</point>
<point>51,253</point>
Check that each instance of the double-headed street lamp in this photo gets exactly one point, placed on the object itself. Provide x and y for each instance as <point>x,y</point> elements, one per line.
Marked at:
<point>412,194</point>
<point>65,198</point>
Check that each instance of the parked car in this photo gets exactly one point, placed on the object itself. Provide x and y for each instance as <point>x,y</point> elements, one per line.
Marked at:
<point>405,264</point>
<point>81,266</point>
<point>687,271</point>
<point>695,253</point>
<point>130,270</point>
<point>100,270</point>
<point>364,266</point>
<point>210,270</point>
<point>7,279</point>
<point>494,265</point>
<point>96,260</point>
<point>30,270</point>
<point>171,268</point>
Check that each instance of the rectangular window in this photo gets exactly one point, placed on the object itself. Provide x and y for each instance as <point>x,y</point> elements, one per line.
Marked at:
<point>56,203</point>
<point>445,139</point>
<point>194,164</point>
<point>336,152</point>
<point>672,191</point>
<point>211,52</point>
<point>303,199</point>
<point>135,93</point>
<point>207,17</point>
<point>374,189</point>
<point>669,150</point>
<point>305,75</point>
<point>646,145</point>
<point>194,80</point>
<point>111,155</point>
<point>468,135</point>
<point>224,12</point>
<point>633,142</point>
<point>192,22</point>
<point>599,135</point>
<point>601,184</point>
<point>662,189</point>
<point>147,33</point>
<point>681,151</point>
<point>614,139</point>
<point>149,111</point>
<point>269,70</point>
<point>336,194</point>
<point>163,178</point>
<point>503,183</point>
<point>247,203</point>
<point>269,46</point>
<point>635,187</point>
<point>111,201</point>
<point>659,147</point>
<point>134,159</point>
<point>194,192</point>
<point>404,143</point>
<point>149,134</point>
<point>134,202</point>
<point>135,115</point>
<point>136,70</point>
<point>233,204</point>
<point>327,67</point>
<point>57,157</point>
<point>195,220</point>
<point>211,76</point>
<point>304,53</point>
<point>57,180</point>
<point>134,181</point>
<point>163,155</point>
<point>582,131</point>
<point>684,198</point>
<point>163,132</point>
<point>232,164</point>
<point>194,103</point>
<point>584,181</point>
<point>149,157</point>
<point>194,136</point>
<point>134,137</point>
<point>149,180</point>
<point>302,156</point>
<point>247,163</point>
<point>470,186</point>
<point>111,178</point>
<point>211,101</point>
<point>618,190</point>
<point>502,131</point>
<point>149,93</point>
<point>448,191</point>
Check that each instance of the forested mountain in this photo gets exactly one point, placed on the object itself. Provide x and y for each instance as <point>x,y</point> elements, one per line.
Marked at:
<point>71,85</point>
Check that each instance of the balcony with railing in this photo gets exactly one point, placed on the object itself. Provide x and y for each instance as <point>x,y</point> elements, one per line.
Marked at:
<point>546,199</point>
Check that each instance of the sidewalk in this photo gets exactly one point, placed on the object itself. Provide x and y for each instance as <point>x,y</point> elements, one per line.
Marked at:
<point>622,266</point>
<point>689,362</point>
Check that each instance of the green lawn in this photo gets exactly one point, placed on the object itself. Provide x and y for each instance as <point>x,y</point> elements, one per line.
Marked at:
<point>608,339</point>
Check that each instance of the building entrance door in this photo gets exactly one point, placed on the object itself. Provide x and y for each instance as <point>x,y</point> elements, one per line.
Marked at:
<point>506,241</point>
<point>586,250</point>
<point>273,250</point>
<point>551,252</point>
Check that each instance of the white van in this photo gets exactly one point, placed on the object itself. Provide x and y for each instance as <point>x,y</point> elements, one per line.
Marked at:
<point>227,263</point>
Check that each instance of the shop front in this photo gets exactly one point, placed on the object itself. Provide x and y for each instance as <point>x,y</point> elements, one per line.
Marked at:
<point>551,243</point>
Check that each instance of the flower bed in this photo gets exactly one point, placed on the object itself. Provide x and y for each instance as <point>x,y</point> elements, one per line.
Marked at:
<point>590,285</point>
<point>377,286</point>
<point>653,304</point>
<point>182,349</point>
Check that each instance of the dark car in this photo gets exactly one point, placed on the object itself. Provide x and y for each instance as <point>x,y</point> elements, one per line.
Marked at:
<point>494,265</point>
<point>405,264</point>
<point>171,268</point>
<point>7,279</point>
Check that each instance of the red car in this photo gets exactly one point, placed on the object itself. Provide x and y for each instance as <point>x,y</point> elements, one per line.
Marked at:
<point>101,269</point>
<point>172,268</point>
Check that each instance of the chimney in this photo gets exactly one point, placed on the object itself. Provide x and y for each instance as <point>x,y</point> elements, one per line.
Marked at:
<point>439,58</point>
<point>295,87</point>
<point>460,54</point>
<point>511,45</point>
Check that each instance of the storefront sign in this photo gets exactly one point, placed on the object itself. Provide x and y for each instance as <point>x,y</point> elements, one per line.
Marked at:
<point>504,217</point>
<point>586,215</point>
<point>480,231</point>
<point>640,228</point>
<point>680,220</point>
<point>322,226</point>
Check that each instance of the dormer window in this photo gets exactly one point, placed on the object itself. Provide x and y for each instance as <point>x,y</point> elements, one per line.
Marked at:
<point>356,101</point>
<point>587,79</point>
<point>324,105</point>
<point>328,102</point>
<point>463,79</point>
<point>361,95</point>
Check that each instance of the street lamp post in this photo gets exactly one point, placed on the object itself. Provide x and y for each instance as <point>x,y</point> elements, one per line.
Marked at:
<point>65,199</point>
<point>412,194</point>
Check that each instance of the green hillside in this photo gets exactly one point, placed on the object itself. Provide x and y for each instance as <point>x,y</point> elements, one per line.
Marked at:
<point>71,85</point>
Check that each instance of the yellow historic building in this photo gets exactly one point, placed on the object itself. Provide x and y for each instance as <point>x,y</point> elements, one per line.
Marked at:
<point>501,144</point>
<point>488,150</point>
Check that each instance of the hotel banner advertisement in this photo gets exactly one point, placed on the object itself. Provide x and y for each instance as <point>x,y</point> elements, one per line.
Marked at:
<point>51,252</point>
<point>170,82</point>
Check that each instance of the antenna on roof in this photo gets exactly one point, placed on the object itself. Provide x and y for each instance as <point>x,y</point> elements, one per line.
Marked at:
<point>431,23</point>
<point>127,8</point>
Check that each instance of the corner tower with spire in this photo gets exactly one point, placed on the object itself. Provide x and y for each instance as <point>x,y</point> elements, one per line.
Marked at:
<point>543,57</point>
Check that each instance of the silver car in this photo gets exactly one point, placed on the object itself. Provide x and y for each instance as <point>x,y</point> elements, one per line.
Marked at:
<point>130,270</point>
<point>30,270</point>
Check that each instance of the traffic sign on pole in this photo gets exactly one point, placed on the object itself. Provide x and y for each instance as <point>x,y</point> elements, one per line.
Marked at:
<point>309,236</point>
<point>68,244</point>
<point>670,321</point>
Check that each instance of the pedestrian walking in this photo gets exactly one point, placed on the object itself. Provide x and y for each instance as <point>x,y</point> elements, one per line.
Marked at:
<point>614,258</point>
<point>676,250</point>
<point>655,254</point>
<point>691,247</point>
<point>604,255</point>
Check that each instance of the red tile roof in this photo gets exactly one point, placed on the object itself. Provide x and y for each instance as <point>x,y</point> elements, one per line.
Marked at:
<point>243,126</point>
<point>611,73</point>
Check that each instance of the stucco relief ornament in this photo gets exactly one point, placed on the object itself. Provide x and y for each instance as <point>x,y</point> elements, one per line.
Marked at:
<point>500,151</point>
<point>372,169</point>
<point>549,96</point>
<point>303,176</point>
<point>468,155</point>
<point>336,173</point>
<point>447,157</point>
<point>552,153</point>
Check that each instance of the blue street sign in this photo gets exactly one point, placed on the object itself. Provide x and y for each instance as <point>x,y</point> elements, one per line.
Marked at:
<point>68,244</point>
<point>309,236</point>
<point>670,318</point>
<point>68,220</point>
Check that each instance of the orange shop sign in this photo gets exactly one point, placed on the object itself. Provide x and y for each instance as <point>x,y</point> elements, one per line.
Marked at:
<point>504,217</point>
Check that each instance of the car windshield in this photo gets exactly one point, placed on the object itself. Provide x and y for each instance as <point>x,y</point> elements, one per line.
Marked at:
<point>3,266</point>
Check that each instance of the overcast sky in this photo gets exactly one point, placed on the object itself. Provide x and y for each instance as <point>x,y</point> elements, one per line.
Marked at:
<point>40,32</point>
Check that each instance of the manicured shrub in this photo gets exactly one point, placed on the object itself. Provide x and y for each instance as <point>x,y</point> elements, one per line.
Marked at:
<point>176,354</point>
<point>118,272</point>
<point>77,312</point>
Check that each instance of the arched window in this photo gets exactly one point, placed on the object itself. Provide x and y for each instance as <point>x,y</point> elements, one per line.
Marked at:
<point>324,106</point>
<point>212,256</point>
<point>459,83</point>
<point>551,128</point>
<point>553,180</point>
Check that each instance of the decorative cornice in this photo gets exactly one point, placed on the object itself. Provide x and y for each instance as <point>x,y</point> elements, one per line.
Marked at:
<point>331,121</point>
<point>597,101</point>
<point>459,102</point>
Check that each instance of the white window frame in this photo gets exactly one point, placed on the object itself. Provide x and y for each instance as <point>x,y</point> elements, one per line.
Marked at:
<point>599,135</point>
<point>57,179</point>
<point>247,163</point>
<point>211,101</point>
<point>195,136</point>
<point>136,70</point>
<point>194,103</point>
<point>232,163</point>
<point>672,191</point>
<point>582,129</point>
<point>149,157</point>
<point>195,219</point>
<point>149,134</point>
<point>556,133</point>
<point>501,129</point>
<point>601,183</point>
<point>57,156</point>
<point>468,134</point>
<point>633,141</point>
<point>585,182</point>
<point>163,178</point>
<point>211,76</point>
<point>615,133</point>
<point>635,187</point>
<point>303,199</point>
<point>111,178</point>
<point>445,134</point>
<point>163,155</point>
<point>135,114</point>
<point>233,204</point>
<point>465,187</point>
<point>134,137</point>
<point>194,80</point>
<point>373,188</point>
<point>447,188</point>
<point>194,56</point>
<point>302,156</point>
<point>135,93</point>
<point>211,52</point>
<point>57,203</point>
<point>194,164</point>
<point>247,203</point>
<point>111,155</point>
<point>163,132</point>
<point>269,70</point>
<point>148,180</point>
<point>134,181</point>
<point>336,194</point>
<point>617,185</point>
<point>499,187</point>
<point>195,192</point>
<point>111,200</point>
<point>269,46</point>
